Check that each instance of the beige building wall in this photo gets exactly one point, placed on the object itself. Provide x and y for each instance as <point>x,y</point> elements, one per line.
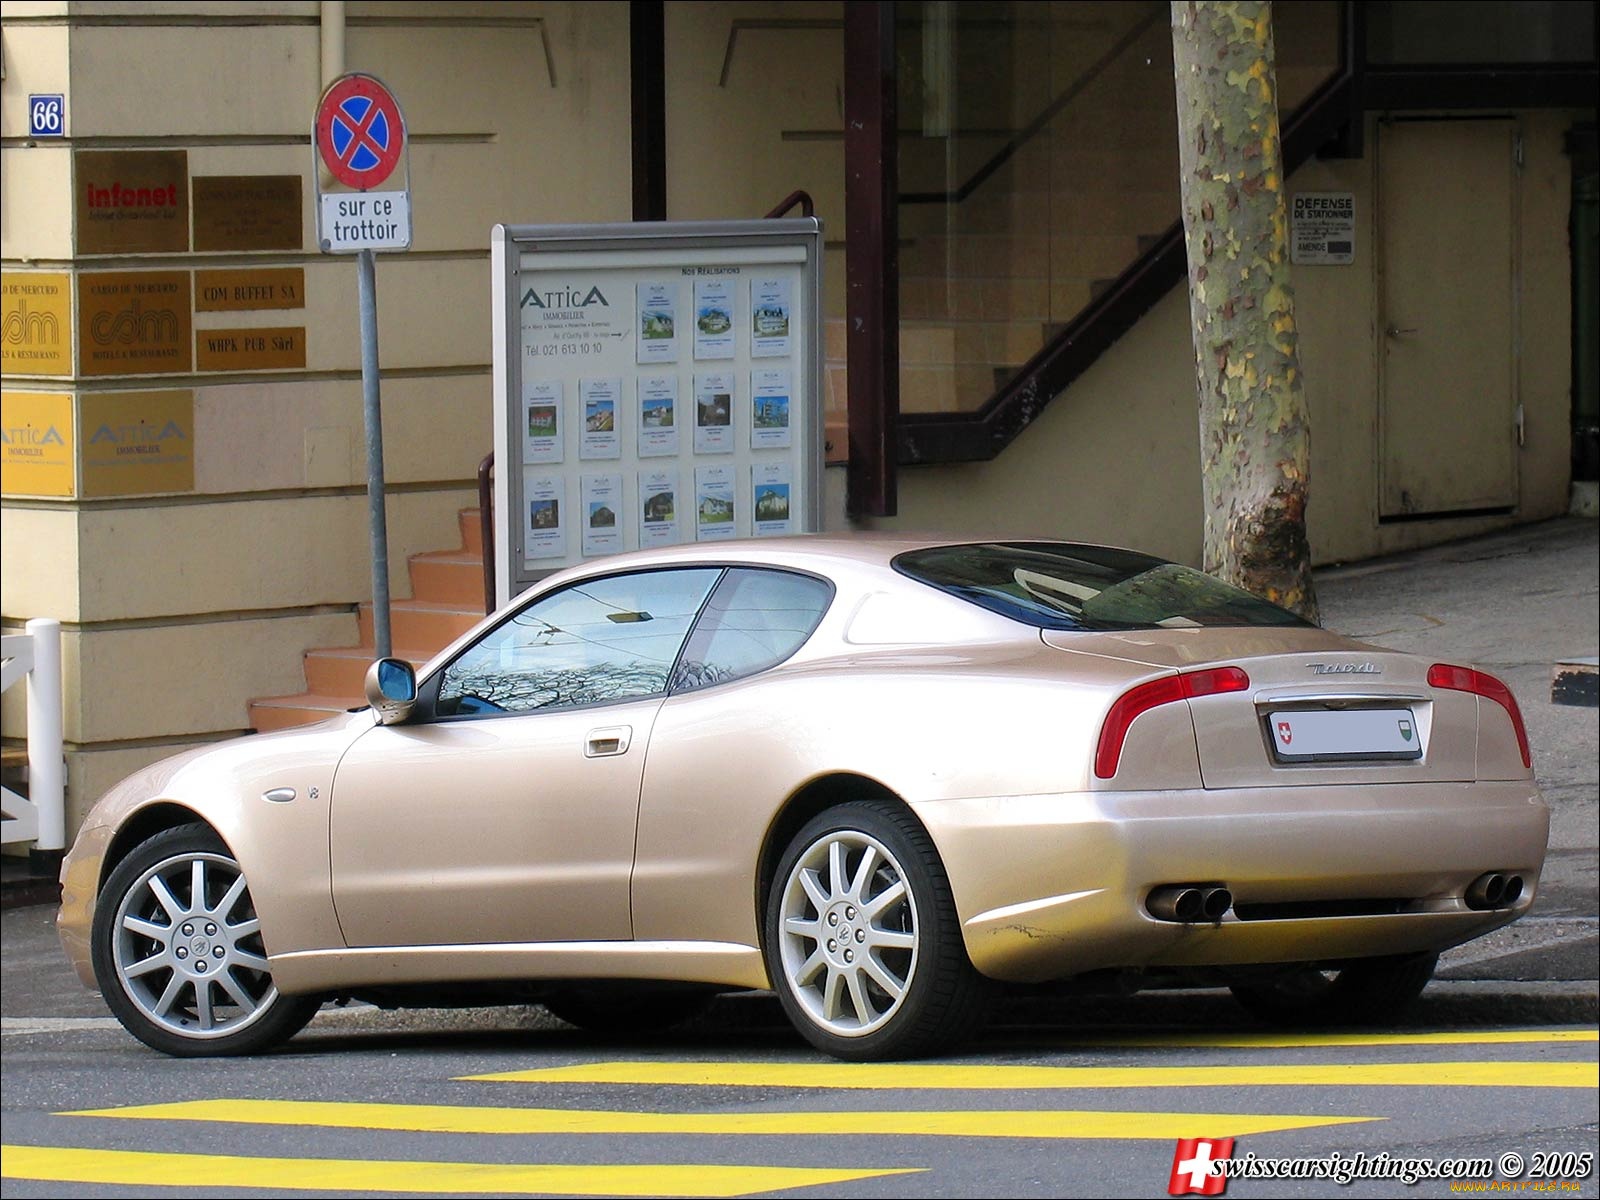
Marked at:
<point>1115,458</point>
<point>178,609</point>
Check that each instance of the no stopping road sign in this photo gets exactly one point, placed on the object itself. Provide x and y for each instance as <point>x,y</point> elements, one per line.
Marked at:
<point>360,132</point>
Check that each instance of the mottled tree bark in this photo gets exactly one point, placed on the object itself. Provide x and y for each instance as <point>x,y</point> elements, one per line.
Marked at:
<point>1254,433</point>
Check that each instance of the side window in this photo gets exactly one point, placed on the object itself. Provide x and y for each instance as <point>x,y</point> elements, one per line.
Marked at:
<point>754,620</point>
<point>592,643</point>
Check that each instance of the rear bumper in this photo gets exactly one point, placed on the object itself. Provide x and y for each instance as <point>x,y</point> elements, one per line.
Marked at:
<point>1052,886</point>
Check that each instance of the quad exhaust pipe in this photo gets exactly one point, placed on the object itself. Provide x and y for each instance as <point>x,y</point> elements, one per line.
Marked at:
<point>1494,889</point>
<point>1188,903</point>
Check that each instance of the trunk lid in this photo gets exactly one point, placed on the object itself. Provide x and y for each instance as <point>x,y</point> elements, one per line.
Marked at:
<point>1356,710</point>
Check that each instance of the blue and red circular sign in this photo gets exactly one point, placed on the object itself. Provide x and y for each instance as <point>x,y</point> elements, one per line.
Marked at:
<point>360,132</point>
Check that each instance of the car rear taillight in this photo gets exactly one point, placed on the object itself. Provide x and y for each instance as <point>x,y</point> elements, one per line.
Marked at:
<point>1150,695</point>
<point>1480,683</point>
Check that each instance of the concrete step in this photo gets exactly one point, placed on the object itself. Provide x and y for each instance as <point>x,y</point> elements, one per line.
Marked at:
<point>453,578</point>
<point>414,623</point>
<point>341,671</point>
<point>287,712</point>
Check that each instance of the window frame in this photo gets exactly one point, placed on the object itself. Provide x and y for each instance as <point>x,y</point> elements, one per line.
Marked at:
<point>1011,613</point>
<point>426,711</point>
<point>833,594</point>
<point>427,707</point>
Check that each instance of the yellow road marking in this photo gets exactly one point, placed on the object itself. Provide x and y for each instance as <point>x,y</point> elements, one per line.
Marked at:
<point>931,1075</point>
<point>138,1168</point>
<point>1279,1041</point>
<point>440,1118</point>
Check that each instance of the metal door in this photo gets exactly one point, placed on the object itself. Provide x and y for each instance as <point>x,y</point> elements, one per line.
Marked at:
<point>1446,236</point>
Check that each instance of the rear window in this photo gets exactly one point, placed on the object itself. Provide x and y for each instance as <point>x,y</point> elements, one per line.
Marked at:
<point>1060,585</point>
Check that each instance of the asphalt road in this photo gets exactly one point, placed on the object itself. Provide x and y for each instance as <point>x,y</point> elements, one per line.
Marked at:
<point>1082,1096</point>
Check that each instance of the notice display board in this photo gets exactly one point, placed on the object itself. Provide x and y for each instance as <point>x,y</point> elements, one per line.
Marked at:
<point>655,384</point>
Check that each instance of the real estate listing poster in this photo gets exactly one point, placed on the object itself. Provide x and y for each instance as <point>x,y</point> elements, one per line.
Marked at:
<point>658,415</point>
<point>541,421</point>
<point>714,516</point>
<point>713,413</point>
<point>658,508</point>
<point>769,317</point>
<point>657,338</point>
<point>769,408</point>
<point>770,486</point>
<point>600,400</point>
<point>714,331</point>
<point>545,533</point>
<point>601,511</point>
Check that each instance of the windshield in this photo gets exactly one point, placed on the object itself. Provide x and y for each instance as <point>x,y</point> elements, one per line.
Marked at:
<point>1060,585</point>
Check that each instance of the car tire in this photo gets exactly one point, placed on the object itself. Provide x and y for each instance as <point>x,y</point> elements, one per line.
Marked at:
<point>1369,991</point>
<point>627,1008</point>
<point>862,942</point>
<point>188,975</point>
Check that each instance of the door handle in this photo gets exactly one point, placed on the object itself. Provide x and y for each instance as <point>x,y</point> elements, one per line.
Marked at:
<point>1396,331</point>
<point>613,739</point>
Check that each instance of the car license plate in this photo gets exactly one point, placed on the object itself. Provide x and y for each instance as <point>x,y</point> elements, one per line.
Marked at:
<point>1344,735</point>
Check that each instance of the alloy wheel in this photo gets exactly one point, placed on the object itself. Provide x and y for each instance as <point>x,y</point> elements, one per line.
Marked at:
<point>187,951</point>
<point>848,933</point>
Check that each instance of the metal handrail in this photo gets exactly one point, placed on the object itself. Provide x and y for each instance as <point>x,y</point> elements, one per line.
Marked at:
<point>799,196</point>
<point>486,526</point>
<point>1032,129</point>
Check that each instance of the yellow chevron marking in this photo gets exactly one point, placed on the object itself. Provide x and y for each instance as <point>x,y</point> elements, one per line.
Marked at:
<point>1280,1041</point>
<point>440,1118</point>
<point>138,1168</point>
<point>932,1075</point>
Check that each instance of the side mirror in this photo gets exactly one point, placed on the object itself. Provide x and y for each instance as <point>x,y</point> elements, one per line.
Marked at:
<point>391,689</point>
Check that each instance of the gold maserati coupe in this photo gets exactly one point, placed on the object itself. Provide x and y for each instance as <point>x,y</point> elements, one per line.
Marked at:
<point>883,777</point>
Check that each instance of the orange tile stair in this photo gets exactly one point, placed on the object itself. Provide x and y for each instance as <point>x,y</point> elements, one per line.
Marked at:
<point>447,600</point>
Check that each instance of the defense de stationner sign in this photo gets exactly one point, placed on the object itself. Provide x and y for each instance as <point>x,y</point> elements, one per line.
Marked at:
<point>1322,228</point>
<point>37,322</point>
<point>134,323</point>
<point>131,201</point>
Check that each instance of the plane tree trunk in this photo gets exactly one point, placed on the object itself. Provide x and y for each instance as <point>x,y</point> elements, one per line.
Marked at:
<point>1254,432</point>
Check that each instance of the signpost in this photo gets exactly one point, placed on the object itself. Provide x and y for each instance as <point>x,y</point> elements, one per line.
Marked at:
<point>359,135</point>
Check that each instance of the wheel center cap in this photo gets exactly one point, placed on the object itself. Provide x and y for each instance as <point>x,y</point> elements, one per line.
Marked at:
<point>200,946</point>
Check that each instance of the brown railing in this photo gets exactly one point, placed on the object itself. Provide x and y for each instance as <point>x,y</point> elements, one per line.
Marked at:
<point>798,196</point>
<point>486,527</point>
<point>1325,116</point>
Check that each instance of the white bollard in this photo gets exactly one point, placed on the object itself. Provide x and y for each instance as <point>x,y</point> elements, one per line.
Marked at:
<point>46,768</point>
